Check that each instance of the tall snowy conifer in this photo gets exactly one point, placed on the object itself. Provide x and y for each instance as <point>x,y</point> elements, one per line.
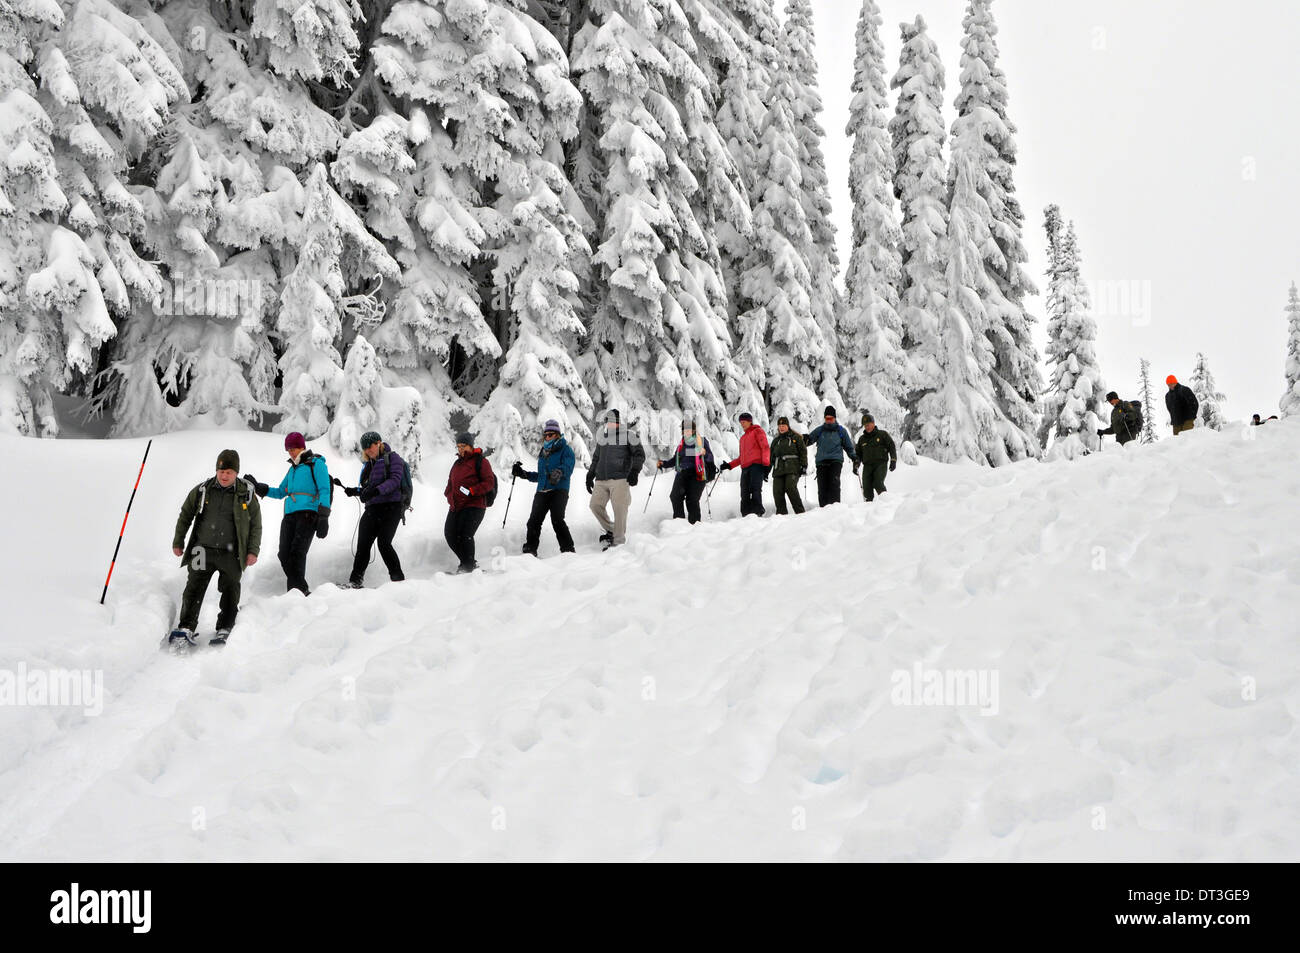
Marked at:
<point>658,337</point>
<point>875,374</point>
<point>806,108</point>
<point>1075,392</point>
<point>983,129</point>
<point>1148,404</point>
<point>1290,402</point>
<point>1208,396</point>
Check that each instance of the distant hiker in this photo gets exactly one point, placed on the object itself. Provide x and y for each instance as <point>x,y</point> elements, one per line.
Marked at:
<point>1181,404</point>
<point>755,461</point>
<point>469,485</point>
<point>384,489</point>
<point>555,465</point>
<point>789,463</point>
<point>878,456</point>
<point>307,495</point>
<point>832,442</point>
<point>1125,419</point>
<point>227,536</point>
<point>615,468</point>
<point>693,462</point>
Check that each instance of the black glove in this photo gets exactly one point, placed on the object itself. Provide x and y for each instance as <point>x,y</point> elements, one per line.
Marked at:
<point>633,477</point>
<point>725,466</point>
<point>1101,433</point>
<point>369,492</point>
<point>591,483</point>
<point>893,465</point>
<point>351,491</point>
<point>767,472</point>
<point>336,481</point>
<point>554,477</point>
<point>517,470</point>
<point>856,467</point>
<point>258,488</point>
<point>322,521</point>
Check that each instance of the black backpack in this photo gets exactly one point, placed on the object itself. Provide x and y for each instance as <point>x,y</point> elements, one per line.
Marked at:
<point>408,487</point>
<point>1133,417</point>
<point>478,466</point>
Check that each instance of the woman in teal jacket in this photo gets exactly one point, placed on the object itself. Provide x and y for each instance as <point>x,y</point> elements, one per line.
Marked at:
<point>307,495</point>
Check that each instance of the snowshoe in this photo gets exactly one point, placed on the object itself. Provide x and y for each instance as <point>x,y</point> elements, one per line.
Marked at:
<point>179,641</point>
<point>219,638</point>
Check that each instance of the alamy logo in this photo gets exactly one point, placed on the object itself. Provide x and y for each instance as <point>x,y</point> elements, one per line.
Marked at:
<point>76,906</point>
<point>53,688</point>
<point>951,687</point>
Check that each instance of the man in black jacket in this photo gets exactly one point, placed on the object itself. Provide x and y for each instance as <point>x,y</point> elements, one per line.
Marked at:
<point>1125,420</point>
<point>1181,404</point>
<point>615,467</point>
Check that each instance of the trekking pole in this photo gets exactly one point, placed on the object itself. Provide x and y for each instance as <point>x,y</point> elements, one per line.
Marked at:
<point>652,491</point>
<point>510,497</point>
<point>122,531</point>
<point>708,497</point>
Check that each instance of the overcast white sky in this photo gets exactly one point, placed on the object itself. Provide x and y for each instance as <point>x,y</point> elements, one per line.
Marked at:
<point>1167,130</point>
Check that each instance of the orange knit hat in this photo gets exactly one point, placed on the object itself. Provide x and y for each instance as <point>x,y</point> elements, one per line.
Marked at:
<point>1171,380</point>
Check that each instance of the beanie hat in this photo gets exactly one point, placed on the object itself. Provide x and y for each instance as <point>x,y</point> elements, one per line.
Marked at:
<point>830,411</point>
<point>295,441</point>
<point>369,439</point>
<point>466,438</point>
<point>551,425</point>
<point>1112,396</point>
<point>1171,380</point>
<point>867,419</point>
<point>747,416</point>
<point>228,460</point>
<point>783,420</point>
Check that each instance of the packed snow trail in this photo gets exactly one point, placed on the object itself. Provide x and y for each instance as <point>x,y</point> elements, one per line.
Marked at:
<point>719,691</point>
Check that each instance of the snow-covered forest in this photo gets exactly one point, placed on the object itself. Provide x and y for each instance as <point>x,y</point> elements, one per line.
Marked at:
<point>347,214</point>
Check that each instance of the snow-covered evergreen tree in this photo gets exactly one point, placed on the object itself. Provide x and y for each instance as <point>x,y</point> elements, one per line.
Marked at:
<point>1148,434</point>
<point>85,88</point>
<point>784,344</point>
<point>875,374</point>
<point>1290,402</point>
<point>334,251</point>
<point>806,107</point>
<point>658,338</point>
<point>1208,396</point>
<point>1075,391</point>
<point>983,130</point>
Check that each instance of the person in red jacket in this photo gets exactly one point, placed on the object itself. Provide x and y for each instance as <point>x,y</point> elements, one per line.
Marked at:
<point>754,461</point>
<point>468,484</point>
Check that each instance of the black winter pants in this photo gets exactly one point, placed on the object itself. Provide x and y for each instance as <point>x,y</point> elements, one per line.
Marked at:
<point>873,479</point>
<point>685,496</point>
<point>297,530</point>
<point>751,489</point>
<point>459,532</point>
<point>828,482</point>
<point>552,503</point>
<point>378,524</point>
<point>226,564</point>
<point>784,487</point>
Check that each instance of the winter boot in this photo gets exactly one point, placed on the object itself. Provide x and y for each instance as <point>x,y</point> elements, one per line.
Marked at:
<point>220,637</point>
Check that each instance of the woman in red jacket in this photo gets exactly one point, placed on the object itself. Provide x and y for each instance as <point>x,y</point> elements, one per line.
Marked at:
<point>470,481</point>
<point>754,461</point>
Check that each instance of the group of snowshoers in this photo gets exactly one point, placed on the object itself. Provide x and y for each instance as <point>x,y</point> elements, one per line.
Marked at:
<point>222,515</point>
<point>223,520</point>
<point>1126,415</point>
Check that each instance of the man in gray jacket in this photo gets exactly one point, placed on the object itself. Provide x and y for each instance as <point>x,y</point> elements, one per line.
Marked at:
<point>615,467</point>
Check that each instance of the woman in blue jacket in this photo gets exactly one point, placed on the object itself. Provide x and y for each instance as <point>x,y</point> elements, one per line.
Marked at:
<point>307,495</point>
<point>554,467</point>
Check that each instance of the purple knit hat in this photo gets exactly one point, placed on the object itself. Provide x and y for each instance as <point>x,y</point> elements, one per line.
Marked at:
<point>551,425</point>
<point>295,440</point>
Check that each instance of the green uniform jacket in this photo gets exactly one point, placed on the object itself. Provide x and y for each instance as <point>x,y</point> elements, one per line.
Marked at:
<point>876,447</point>
<point>789,454</point>
<point>1123,429</point>
<point>248,519</point>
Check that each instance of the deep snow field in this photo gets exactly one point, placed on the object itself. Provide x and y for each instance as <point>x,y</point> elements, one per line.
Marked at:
<point>724,691</point>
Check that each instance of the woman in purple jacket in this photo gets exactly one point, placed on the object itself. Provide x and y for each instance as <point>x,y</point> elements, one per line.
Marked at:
<point>380,489</point>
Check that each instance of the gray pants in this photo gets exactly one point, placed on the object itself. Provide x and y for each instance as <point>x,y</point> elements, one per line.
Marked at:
<point>604,492</point>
